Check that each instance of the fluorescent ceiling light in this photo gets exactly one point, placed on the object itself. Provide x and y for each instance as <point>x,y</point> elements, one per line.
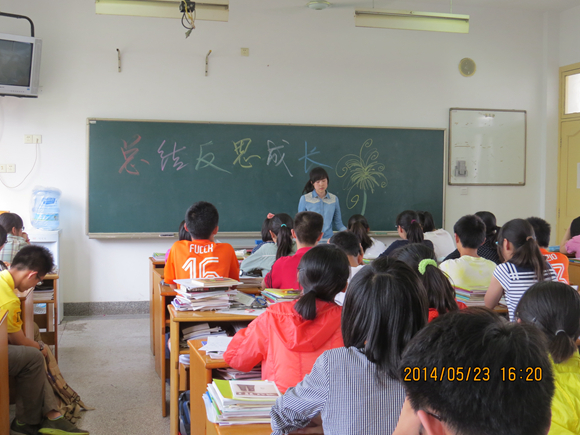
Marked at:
<point>208,10</point>
<point>411,20</point>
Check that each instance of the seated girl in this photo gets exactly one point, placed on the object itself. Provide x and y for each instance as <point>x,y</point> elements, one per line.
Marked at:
<point>410,231</point>
<point>440,292</point>
<point>280,230</point>
<point>266,236</point>
<point>372,247</point>
<point>182,234</point>
<point>571,242</point>
<point>355,389</point>
<point>554,308</point>
<point>289,336</point>
<point>442,241</point>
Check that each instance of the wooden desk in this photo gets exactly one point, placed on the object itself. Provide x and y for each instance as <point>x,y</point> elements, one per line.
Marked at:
<point>49,320</point>
<point>243,429</point>
<point>4,395</point>
<point>574,273</point>
<point>155,276</point>
<point>177,318</point>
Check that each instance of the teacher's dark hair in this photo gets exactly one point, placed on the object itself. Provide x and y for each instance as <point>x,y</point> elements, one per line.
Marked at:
<point>384,307</point>
<point>554,307</point>
<point>323,272</point>
<point>316,174</point>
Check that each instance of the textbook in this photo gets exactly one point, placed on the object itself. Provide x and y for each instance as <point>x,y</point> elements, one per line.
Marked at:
<point>273,295</point>
<point>207,282</point>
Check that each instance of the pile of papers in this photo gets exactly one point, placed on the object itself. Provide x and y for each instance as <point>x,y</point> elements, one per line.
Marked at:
<point>233,374</point>
<point>240,402</point>
<point>201,331</point>
<point>215,346</point>
<point>273,296</point>
<point>204,294</point>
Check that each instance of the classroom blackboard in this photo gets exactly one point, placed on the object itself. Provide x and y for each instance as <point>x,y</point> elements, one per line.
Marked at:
<point>143,175</point>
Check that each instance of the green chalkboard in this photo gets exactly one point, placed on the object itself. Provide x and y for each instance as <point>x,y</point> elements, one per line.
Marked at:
<point>143,175</point>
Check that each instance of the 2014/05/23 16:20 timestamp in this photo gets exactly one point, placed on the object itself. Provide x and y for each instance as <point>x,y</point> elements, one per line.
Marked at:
<point>528,374</point>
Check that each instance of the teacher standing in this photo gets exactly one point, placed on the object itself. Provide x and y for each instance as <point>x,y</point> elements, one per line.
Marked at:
<point>315,198</point>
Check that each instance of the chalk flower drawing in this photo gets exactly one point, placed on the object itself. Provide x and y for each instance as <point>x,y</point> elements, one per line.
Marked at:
<point>361,172</point>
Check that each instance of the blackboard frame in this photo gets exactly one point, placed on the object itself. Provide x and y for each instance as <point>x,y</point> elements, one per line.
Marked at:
<point>247,234</point>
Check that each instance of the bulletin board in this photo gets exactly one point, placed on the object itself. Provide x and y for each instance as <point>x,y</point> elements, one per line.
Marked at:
<point>487,147</point>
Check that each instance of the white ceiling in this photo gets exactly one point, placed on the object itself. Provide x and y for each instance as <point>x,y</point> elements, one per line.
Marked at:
<point>539,5</point>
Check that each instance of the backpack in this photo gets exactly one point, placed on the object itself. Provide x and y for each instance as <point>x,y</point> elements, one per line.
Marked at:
<point>71,404</point>
<point>184,415</point>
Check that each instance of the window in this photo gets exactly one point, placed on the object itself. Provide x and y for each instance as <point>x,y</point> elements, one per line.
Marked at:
<point>572,94</point>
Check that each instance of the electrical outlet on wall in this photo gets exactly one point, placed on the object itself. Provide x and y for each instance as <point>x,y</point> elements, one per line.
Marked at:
<point>2,167</point>
<point>28,138</point>
<point>11,167</point>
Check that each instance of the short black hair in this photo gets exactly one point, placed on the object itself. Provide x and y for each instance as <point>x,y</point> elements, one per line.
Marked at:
<point>499,354</point>
<point>384,307</point>
<point>471,231</point>
<point>34,258</point>
<point>11,220</point>
<point>3,236</point>
<point>201,219</point>
<point>323,272</point>
<point>308,227</point>
<point>542,230</point>
<point>348,242</point>
<point>574,227</point>
<point>554,307</point>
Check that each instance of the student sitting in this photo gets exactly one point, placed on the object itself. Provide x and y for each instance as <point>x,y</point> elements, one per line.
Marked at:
<point>410,231</point>
<point>497,399</point>
<point>263,259</point>
<point>489,249</point>
<point>17,238</point>
<point>557,260</point>
<point>524,265</point>
<point>372,247</point>
<point>440,292</point>
<point>2,242</point>
<point>289,336</point>
<point>441,239</point>
<point>470,271</point>
<point>182,234</point>
<point>349,244</point>
<point>554,308</point>
<point>201,257</point>
<point>307,231</point>
<point>355,389</point>
<point>571,241</point>
<point>37,408</point>
<point>266,236</point>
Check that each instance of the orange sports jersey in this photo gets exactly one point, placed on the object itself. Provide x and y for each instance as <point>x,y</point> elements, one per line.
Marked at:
<point>559,263</point>
<point>201,259</point>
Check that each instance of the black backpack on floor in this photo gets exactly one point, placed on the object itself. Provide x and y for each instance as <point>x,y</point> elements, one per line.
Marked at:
<point>184,416</point>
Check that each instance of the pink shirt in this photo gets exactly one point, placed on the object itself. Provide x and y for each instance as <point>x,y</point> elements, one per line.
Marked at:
<point>573,246</point>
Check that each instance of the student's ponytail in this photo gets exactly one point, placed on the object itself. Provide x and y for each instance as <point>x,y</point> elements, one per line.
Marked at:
<point>323,273</point>
<point>527,253</point>
<point>554,308</point>
<point>421,259</point>
<point>409,221</point>
<point>282,225</point>
<point>358,224</point>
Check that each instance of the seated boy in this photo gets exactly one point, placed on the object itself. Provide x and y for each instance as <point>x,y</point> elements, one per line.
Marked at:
<point>17,238</point>
<point>558,260</point>
<point>201,257</point>
<point>2,242</point>
<point>349,243</point>
<point>480,385</point>
<point>35,397</point>
<point>470,271</point>
<point>307,231</point>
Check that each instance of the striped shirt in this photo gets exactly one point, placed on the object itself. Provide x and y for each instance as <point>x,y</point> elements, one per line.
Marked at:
<point>342,387</point>
<point>516,280</point>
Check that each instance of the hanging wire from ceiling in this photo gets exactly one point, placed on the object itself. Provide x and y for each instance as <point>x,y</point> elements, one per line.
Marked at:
<point>188,19</point>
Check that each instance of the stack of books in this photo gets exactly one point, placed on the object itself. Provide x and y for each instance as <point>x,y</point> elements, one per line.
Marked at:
<point>250,282</point>
<point>233,374</point>
<point>240,402</point>
<point>473,297</point>
<point>273,295</point>
<point>201,331</point>
<point>203,294</point>
<point>159,256</point>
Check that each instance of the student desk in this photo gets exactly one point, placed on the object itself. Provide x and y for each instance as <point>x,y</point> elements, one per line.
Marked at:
<point>155,276</point>
<point>243,429</point>
<point>574,273</point>
<point>177,318</point>
<point>4,395</point>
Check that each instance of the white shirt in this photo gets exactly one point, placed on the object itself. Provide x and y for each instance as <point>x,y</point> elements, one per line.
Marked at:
<point>376,249</point>
<point>442,242</point>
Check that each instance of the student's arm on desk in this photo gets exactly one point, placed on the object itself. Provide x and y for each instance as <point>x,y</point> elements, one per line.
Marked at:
<point>493,294</point>
<point>19,339</point>
<point>567,237</point>
<point>249,346</point>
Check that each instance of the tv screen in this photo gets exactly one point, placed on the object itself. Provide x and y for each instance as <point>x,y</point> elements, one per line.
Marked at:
<point>15,63</point>
<point>19,65</point>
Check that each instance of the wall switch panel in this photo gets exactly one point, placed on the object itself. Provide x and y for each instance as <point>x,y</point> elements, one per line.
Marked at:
<point>10,167</point>
<point>2,168</point>
<point>28,138</point>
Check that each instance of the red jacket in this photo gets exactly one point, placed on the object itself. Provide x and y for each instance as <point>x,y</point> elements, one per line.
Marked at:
<point>285,344</point>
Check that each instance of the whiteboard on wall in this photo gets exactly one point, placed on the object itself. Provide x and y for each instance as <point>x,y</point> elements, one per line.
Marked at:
<point>487,147</point>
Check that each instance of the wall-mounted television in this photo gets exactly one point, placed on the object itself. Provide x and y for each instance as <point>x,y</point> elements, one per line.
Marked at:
<point>19,65</point>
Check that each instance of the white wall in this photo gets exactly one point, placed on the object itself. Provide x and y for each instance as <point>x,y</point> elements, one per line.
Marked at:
<point>304,67</point>
<point>569,36</point>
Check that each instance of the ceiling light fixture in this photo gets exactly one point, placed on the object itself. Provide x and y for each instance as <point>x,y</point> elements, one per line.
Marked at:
<point>411,20</point>
<point>319,5</point>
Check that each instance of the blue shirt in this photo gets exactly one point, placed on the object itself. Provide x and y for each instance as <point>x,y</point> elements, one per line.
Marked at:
<point>328,207</point>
